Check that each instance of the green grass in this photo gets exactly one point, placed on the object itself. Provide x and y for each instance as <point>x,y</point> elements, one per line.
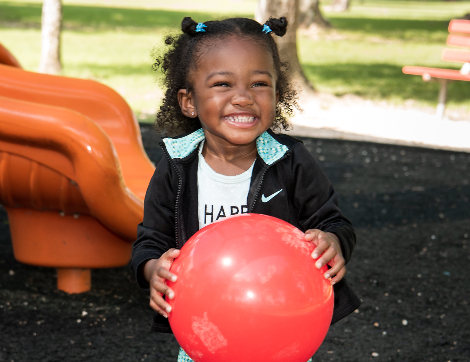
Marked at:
<point>109,44</point>
<point>95,16</point>
<point>372,70</point>
<point>368,46</point>
<point>111,41</point>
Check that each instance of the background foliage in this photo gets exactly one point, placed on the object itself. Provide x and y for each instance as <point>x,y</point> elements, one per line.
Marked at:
<point>111,41</point>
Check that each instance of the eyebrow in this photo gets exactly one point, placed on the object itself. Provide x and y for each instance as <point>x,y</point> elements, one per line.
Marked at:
<point>230,73</point>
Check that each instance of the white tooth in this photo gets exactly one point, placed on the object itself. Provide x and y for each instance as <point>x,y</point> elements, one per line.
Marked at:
<point>241,119</point>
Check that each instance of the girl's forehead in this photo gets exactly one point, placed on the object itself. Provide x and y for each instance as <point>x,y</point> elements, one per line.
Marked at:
<point>231,40</point>
<point>218,50</point>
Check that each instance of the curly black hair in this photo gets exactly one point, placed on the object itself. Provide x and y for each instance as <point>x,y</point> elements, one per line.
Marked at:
<point>180,58</point>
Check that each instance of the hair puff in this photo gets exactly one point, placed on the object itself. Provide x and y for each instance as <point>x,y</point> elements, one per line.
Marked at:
<point>278,26</point>
<point>188,26</point>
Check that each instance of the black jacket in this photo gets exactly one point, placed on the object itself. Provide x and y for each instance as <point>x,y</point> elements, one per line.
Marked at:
<point>307,201</point>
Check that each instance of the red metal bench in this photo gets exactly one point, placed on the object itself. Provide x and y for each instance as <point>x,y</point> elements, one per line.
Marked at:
<point>459,37</point>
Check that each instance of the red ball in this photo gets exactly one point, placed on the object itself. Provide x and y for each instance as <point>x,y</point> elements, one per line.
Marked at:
<point>248,290</point>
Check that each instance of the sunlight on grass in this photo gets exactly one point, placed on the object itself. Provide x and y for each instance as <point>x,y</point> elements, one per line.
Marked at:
<point>364,53</point>
<point>111,41</point>
<point>220,7</point>
<point>396,9</point>
<point>126,68</point>
<point>96,18</point>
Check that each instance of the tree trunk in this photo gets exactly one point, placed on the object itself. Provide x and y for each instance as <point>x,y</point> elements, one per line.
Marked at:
<point>288,43</point>
<point>310,14</point>
<point>340,5</point>
<point>50,37</point>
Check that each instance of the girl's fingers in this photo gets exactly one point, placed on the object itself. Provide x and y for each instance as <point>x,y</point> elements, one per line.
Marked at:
<point>162,288</point>
<point>156,307</point>
<point>172,253</point>
<point>168,256</point>
<point>335,269</point>
<point>322,240</point>
<point>158,289</point>
<point>166,274</point>
<point>338,276</point>
<point>322,245</point>
<point>310,234</point>
<point>327,247</point>
<point>326,257</point>
<point>157,270</point>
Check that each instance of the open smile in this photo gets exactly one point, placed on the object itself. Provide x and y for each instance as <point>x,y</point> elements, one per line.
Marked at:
<point>241,119</point>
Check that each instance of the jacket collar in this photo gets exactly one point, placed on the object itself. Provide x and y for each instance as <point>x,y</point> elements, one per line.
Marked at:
<point>269,149</point>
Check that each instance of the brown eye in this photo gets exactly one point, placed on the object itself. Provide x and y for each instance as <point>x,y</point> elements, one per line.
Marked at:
<point>260,84</point>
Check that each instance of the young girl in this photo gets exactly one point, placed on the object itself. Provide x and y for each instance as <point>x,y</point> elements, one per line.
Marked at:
<point>226,93</point>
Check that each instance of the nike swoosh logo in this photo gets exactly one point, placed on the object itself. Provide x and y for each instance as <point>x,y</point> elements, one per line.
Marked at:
<point>266,199</point>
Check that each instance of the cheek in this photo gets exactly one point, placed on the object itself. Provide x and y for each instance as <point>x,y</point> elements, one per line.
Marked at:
<point>271,102</point>
<point>210,102</point>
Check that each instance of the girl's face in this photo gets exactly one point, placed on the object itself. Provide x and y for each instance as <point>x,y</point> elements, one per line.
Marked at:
<point>234,91</point>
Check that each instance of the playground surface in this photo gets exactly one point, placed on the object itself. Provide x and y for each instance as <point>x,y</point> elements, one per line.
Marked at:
<point>411,210</point>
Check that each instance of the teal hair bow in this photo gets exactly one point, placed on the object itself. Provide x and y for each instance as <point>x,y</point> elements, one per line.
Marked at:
<point>200,28</point>
<point>266,29</point>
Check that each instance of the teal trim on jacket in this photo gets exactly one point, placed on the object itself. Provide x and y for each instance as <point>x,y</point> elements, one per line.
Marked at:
<point>268,148</point>
<point>304,198</point>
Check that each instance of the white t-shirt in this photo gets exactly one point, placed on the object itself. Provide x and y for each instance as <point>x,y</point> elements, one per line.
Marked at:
<point>220,196</point>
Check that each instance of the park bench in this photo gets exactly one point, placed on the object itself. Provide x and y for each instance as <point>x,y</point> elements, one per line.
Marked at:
<point>459,37</point>
<point>73,173</point>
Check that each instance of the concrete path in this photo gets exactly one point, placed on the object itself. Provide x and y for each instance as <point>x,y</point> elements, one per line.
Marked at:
<point>360,120</point>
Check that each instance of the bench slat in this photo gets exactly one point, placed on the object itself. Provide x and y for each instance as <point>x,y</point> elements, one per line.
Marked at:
<point>444,75</point>
<point>459,26</point>
<point>458,41</point>
<point>450,74</point>
<point>456,55</point>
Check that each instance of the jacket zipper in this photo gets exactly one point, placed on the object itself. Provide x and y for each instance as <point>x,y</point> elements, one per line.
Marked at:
<point>178,193</point>
<point>255,197</point>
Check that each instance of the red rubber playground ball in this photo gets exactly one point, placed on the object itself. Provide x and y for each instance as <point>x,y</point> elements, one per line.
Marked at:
<point>248,290</point>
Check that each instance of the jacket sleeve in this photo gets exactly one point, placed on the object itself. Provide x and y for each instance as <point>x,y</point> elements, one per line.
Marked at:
<point>316,200</point>
<point>156,233</point>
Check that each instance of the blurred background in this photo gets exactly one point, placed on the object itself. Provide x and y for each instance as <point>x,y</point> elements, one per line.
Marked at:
<point>352,48</point>
<point>409,205</point>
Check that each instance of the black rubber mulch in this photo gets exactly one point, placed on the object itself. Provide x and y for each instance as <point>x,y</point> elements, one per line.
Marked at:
<point>411,210</point>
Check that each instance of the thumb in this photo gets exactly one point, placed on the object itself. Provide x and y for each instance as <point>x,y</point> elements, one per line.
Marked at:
<point>171,254</point>
<point>312,235</point>
<point>168,257</point>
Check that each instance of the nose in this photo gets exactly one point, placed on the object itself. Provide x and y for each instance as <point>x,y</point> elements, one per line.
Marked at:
<point>242,98</point>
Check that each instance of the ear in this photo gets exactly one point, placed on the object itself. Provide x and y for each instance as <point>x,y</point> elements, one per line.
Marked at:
<point>186,103</point>
<point>277,97</point>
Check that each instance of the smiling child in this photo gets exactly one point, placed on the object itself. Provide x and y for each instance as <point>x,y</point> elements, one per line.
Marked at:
<point>226,95</point>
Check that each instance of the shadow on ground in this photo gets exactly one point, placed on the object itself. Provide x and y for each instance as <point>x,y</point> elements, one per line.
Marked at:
<point>381,81</point>
<point>411,210</point>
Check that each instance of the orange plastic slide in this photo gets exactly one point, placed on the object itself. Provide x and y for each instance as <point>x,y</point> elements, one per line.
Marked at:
<point>7,58</point>
<point>73,173</point>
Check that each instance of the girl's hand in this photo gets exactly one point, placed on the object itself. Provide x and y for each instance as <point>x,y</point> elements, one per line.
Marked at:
<point>156,271</point>
<point>328,248</point>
